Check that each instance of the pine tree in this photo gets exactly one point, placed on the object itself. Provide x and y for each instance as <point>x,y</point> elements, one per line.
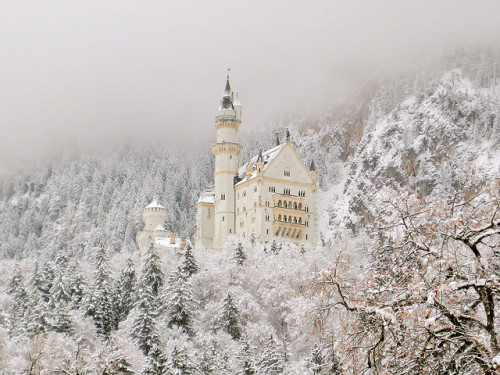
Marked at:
<point>151,274</point>
<point>126,291</point>
<point>229,318</point>
<point>317,360</point>
<point>189,265</point>
<point>37,309</point>
<point>245,359</point>
<point>179,302</point>
<point>144,328</point>
<point>45,281</point>
<point>274,247</point>
<point>180,363</point>
<point>155,363</point>
<point>252,238</point>
<point>15,288</point>
<point>239,255</point>
<point>100,302</point>
<point>272,361</point>
<point>77,286</point>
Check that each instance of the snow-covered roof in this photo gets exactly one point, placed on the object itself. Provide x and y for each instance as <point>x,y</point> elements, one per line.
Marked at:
<point>154,204</point>
<point>165,242</point>
<point>160,227</point>
<point>208,196</point>
<point>267,157</point>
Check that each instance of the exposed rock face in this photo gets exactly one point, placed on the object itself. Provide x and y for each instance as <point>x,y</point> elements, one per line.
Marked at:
<point>430,144</point>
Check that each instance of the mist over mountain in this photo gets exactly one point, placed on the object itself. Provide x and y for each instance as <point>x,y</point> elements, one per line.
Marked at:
<point>75,297</point>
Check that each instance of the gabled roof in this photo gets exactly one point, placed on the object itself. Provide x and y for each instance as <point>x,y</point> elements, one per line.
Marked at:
<point>267,157</point>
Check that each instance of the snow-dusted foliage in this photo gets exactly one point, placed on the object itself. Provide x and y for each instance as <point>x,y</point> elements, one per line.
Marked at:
<point>405,279</point>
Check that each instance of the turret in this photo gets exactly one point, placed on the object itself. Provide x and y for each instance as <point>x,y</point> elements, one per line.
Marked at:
<point>226,152</point>
<point>154,215</point>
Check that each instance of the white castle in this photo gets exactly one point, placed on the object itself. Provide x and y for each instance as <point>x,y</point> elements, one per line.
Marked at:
<point>272,196</point>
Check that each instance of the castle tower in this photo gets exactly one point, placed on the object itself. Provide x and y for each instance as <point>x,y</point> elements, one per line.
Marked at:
<point>154,216</point>
<point>227,154</point>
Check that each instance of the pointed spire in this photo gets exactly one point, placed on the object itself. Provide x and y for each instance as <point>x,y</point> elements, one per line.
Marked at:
<point>227,89</point>
<point>227,102</point>
<point>260,159</point>
<point>312,167</point>
<point>277,138</point>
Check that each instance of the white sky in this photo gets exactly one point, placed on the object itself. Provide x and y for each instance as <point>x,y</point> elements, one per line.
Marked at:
<point>78,74</point>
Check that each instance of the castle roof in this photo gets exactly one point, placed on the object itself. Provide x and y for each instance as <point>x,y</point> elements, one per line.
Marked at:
<point>208,196</point>
<point>266,157</point>
<point>154,204</point>
<point>160,227</point>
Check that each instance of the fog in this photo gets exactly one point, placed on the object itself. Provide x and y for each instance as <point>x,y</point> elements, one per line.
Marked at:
<point>98,73</point>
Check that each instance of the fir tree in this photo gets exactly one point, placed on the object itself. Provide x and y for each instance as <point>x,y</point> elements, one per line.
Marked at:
<point>180,363</point>
<point>144,328</point>
<point>317,360</point>
<point>152,276</point>
<point>15,288</point>
<point>239,255</point>
<point>38,310</point>
<point>252,238</point>
<point>274,247</point>
<point>126,291</point>
<point>245,359</point>
<point>272,361</point>
<point>229,318</point>
<point>100,303</point>
<point>189,265</point>
<point>179,302</point>
<point>155,363</point>
<point>45,281</point>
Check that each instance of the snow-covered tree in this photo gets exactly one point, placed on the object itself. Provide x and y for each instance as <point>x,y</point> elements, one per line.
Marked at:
<point>100,300</point>
<point>180,363</point>
<point>272,360</point>
<point>427,301</point>
<point>144,329</point>
<point>180,305</point>
<point>156,363</point>
<point>189,265</point>
<point>229,319</point>
<point>126,288</point>
<point>239,255</point>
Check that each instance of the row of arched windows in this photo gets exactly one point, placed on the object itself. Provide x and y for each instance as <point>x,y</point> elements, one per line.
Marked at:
<point>290,219</point>
<point>294,205</point>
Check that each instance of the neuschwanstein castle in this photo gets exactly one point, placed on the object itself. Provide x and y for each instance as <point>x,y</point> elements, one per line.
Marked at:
<point>272,196</point>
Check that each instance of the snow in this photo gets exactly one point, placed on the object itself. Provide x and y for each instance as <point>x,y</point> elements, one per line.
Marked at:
<point>208,196</point>
<point>267,157</point>
<point>154,204</point>
<point>160,228</point>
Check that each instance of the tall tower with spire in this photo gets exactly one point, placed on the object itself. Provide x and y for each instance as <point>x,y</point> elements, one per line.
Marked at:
<point>227,156</point>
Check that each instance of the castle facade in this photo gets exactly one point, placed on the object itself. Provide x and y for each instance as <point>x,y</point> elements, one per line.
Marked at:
<point>272,196</point>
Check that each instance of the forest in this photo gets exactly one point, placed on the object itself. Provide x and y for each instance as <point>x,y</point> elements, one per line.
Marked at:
<point>405,279</point>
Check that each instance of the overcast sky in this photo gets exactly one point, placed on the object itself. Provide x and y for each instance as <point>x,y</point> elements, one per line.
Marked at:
<point>92,73</point>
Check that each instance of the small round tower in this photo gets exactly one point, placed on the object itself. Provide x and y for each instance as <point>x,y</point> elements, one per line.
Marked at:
<point>154,215</point>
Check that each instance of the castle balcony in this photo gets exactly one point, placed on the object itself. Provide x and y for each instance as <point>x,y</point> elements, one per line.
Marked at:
<point>290,202</point>
<point>289,230</point>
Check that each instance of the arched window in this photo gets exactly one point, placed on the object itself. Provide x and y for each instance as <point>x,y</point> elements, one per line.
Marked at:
<point>295,205</point>
<point>279,217</point>
<point>279,203</point>
<point>300,206</point>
